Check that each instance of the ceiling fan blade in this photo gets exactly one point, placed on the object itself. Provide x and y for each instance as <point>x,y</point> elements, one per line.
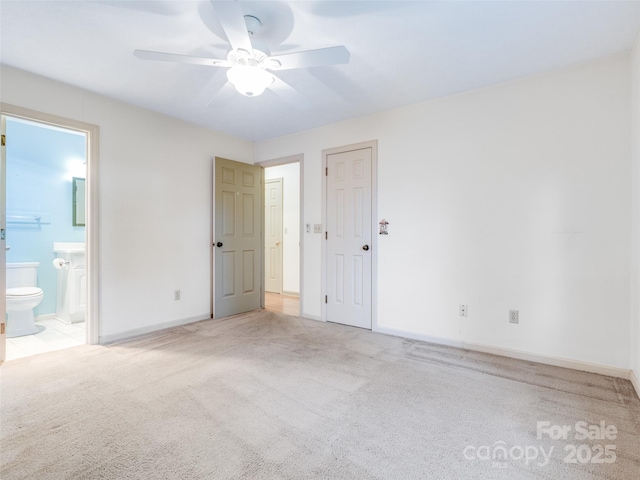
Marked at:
<point>290,94</point>
<point>178,58</point>
<point>312,58</point>
<point>232,21</point>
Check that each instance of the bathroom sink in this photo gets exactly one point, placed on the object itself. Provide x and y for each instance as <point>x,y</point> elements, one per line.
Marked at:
<point>68,247</point>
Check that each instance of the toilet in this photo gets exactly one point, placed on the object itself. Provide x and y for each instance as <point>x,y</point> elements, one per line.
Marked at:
<point>22,297</point>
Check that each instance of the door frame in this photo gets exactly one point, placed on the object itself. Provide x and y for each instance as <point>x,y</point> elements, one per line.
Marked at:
<point>298,158</point>
<point>3,242</point>
<point>92,133</point>
<point>373,145</point>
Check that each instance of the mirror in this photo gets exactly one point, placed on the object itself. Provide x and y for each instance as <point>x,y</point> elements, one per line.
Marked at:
<point>78,202</point>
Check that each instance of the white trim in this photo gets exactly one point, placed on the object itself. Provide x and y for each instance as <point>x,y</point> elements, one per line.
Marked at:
<point>46,316</point>
<point>275,162</point>
<point>635,382</point>
<point>3,243</point>
<point>287,293</point>
<point>510,353</point>
<point>301,262</point>
<point>70,323</point>
<point>212,239</point>
<point>262,235</point>
<point>92,133</point>
<point>114,337</point>
<point>313,317</point>
<point>373,145</point>
<point>323,244</point>
<point>374,234</point>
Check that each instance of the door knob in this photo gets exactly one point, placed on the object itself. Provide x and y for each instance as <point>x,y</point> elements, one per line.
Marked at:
<point>219,244</point>
<point>277,244</point>
<point>365,248</point>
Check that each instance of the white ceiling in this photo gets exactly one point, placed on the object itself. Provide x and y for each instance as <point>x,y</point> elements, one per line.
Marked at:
<point>402,52</point>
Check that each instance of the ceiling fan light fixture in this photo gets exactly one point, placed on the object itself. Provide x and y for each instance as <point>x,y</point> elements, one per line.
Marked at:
<point>250,81</point>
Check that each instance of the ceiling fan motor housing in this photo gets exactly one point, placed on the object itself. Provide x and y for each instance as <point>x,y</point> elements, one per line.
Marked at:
<point>253,24</point>
<point>255,58</point>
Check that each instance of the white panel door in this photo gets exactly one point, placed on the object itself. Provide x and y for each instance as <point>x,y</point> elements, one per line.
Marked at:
<point>238,237</point>
<point>349,238</point>
<point>273,235</point>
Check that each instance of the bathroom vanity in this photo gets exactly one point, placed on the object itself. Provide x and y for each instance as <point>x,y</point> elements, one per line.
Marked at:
<point>70,261</point>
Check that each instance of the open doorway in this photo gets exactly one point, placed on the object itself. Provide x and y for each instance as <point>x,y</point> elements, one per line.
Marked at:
<point>283,247</point>
<point>46,216</point>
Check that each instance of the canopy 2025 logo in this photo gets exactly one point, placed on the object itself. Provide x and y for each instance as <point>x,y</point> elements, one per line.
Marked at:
<point>582,431</point>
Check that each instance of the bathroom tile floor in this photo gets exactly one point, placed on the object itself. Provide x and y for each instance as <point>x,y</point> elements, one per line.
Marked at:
<point>53,335</point>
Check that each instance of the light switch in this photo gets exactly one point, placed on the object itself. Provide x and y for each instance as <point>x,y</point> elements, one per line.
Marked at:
<point>317,228</point>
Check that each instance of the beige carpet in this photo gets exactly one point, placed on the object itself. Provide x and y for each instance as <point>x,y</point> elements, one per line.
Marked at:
<point>263,396</point>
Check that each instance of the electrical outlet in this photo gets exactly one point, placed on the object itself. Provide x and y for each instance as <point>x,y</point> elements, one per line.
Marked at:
<point>176,295</point>
<point>317,228</point>
<point>514,316</point>
<point>463,310</point>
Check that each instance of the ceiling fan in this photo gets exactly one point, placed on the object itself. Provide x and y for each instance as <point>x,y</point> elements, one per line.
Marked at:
<point>249,62</point>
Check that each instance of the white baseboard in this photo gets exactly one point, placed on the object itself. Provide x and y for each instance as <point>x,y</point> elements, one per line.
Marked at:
<point>635,382</point>
<point>114,337</point>
<point>46,316</point>
<point>290,294</point>
<point>311,317</point>
<point>61,320</point>
<point>518,354</point>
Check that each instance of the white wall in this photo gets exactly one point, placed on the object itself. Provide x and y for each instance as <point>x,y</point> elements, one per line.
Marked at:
<point>155,202</point>
<point>512,197</point>
<point>516,196</point>
<point>635,135</point>
<point>290,173</point>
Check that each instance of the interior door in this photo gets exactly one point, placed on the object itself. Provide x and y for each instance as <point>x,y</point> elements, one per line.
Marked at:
<point>3,242</point>
<point>238,237</point>
<point>348,237</point>
<point>273,235</point>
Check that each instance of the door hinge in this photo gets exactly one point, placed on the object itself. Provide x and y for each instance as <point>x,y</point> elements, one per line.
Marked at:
<point>326,170</point>
<point>4,140</point>
<point>2,328</point>
<point>325,301</point>
<point>326,236</point>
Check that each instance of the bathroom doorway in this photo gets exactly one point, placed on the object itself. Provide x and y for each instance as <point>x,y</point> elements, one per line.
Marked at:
<point>49,225</point>
<point>283,234</point>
